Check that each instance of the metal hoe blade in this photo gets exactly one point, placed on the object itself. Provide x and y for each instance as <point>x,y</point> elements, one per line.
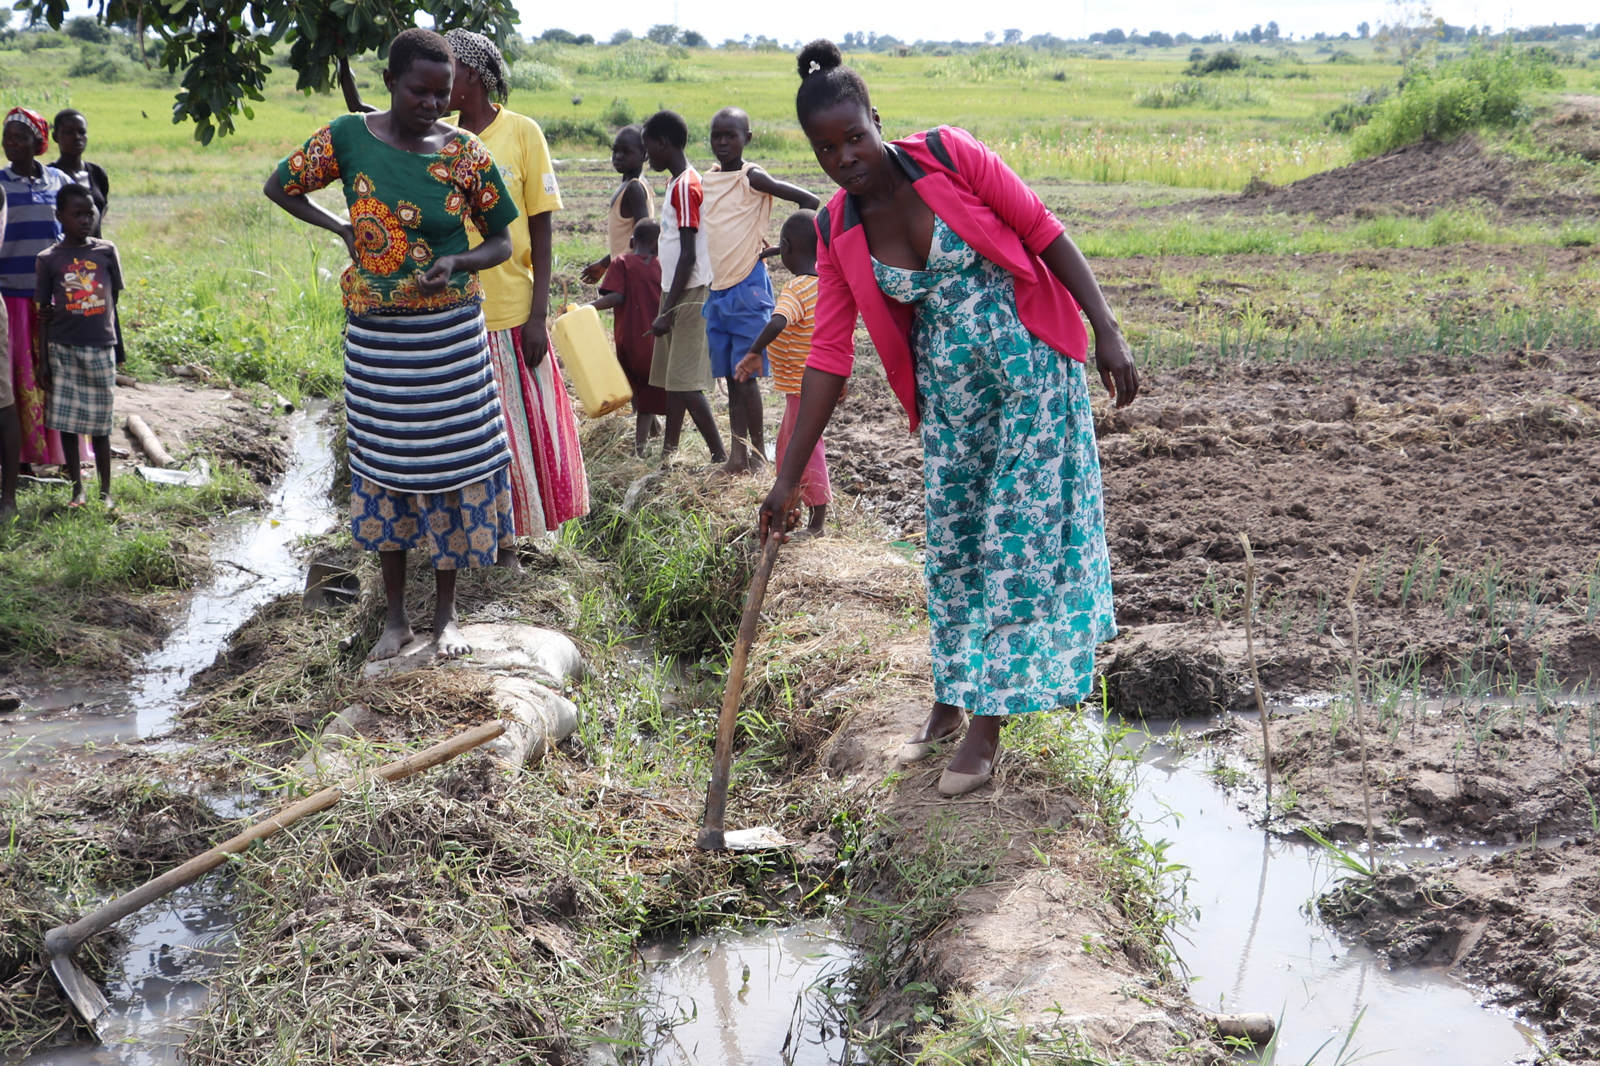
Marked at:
<point>85,995</point>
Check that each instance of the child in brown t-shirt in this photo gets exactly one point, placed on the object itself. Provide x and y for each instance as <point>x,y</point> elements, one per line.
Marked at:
<point>77,281</point>
<point>632,290</point>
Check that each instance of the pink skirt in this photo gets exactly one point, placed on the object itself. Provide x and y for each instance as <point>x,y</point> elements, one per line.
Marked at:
<point>39,444</point>
<point>814,487</point>
<point>549,484</point>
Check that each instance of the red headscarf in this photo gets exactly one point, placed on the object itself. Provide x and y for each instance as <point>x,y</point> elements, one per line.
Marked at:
<point>41,128</point>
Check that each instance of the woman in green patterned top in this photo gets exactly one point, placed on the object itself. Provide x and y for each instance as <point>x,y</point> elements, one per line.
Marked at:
<point>427,439</point>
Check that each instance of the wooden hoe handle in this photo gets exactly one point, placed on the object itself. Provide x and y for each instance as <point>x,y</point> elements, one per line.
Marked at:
<point>711,834</point>
<point>66,938</point>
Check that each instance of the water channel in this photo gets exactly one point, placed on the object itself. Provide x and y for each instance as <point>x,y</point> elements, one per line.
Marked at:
<point>734,998</point>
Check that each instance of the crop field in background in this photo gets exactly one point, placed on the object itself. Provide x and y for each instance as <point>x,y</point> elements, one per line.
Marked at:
<point>1119,145</point>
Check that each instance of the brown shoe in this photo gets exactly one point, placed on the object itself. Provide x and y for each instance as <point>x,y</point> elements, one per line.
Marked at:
<point>954,784</point>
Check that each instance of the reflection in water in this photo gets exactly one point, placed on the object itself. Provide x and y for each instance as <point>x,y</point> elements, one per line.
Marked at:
<point>156,988</point>
<point>255,561</point>
<point>1255,947</point>
<point>745,999</point>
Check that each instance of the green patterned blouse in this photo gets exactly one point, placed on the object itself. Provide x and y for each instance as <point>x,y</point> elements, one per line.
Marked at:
<point>408,209</point>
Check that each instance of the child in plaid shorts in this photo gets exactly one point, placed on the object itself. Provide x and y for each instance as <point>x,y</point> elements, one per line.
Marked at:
<point>76,284</point>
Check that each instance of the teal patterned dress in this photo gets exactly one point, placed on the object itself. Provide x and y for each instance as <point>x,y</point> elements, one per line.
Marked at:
<point>1019,580</point>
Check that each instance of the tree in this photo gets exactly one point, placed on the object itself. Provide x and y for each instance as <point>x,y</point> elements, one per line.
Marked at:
<point>622,37</point>
<point>1012,36</point>
<point>1272,32</point>
<point>662,33</point>
<point>84,28</point>
<point>1362,29</point>
<point>555,36</point>
<point>221,47</point>
<point>1115,37</point>
<point>1256,34</point>
<point>988,37</point>
<point>692,39</point>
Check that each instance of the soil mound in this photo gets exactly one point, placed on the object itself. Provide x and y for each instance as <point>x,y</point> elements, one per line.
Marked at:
<point>1418,179</point>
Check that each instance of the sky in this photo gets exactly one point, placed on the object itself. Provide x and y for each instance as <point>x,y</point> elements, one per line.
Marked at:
<point>950,20</point>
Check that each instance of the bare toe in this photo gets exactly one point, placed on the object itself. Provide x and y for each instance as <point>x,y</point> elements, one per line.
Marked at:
<point>449,643</point>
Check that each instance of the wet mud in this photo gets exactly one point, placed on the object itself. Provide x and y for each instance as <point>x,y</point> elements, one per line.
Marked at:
<point>1522,924</point>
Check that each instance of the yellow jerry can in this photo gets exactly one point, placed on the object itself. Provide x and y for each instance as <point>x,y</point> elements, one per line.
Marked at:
<point>589,361</point>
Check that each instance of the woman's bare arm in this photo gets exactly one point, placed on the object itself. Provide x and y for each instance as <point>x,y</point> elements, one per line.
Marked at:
<point>308,210</point>
<point>1112,356</point>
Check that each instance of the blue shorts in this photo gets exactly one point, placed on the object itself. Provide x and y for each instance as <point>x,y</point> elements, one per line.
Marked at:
<point>735,317</point>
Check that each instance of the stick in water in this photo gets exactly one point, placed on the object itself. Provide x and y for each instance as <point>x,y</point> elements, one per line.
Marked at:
<point>1356,701</point>
<point>1250,646</point>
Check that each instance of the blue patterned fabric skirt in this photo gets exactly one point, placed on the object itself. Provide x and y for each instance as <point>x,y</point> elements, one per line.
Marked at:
<point>461,528</point>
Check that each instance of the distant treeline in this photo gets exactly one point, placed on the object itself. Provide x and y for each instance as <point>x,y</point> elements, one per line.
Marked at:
<point>1270,33</point>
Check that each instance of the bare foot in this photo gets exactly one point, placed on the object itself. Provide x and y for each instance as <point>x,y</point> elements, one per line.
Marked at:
<point>79,496</point>
<point>396,635</point>
<point>448,643</point>
<point>734,468</point>
<point>8,509</point>
<point>977,751</point>
<point>508,558</point>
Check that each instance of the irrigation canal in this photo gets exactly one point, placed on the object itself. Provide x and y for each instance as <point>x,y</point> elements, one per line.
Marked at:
<point>737,999</point>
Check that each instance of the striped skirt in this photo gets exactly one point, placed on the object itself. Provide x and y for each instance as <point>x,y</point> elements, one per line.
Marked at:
<point>549,484</point>
<point>421,407</point>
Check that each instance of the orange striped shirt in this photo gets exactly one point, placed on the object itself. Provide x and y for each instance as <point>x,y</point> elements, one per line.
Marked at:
<point>787,355</point>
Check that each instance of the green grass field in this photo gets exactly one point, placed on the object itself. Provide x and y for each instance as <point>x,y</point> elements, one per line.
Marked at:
<point>220,277</point>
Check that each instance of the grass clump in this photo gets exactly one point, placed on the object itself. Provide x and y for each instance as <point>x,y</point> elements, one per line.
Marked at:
<point>66,574</point>
<point>530,75</point>
<point>1207,94</point>
<point>1484,90</point>
<point>678,569</point>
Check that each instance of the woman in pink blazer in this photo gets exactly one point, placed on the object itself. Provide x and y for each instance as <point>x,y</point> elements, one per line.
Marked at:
<point>971,291</point>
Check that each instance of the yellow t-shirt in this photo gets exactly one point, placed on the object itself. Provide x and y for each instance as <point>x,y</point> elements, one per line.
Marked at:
<point>519,150</point>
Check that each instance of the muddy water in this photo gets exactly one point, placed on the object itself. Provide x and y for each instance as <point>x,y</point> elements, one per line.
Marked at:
<point>254,560</point>
<point>744,999</point>
<point>157,985</point>
<point>1254,947</point>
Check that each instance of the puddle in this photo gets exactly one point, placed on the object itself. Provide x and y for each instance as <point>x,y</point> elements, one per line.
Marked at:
<point>1253,946</point>
<point>744,999</point>
<point>157,986</point>
<point>254,561</point>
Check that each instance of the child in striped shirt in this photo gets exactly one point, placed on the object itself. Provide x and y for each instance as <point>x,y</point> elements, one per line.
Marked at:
<point>787,340</point>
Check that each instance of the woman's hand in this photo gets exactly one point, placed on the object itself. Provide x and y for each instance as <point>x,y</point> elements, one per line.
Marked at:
<point>348,232</point>
<point>535,341</point>
<point>595,270</point>
<point>438,275</point>
<point>1114,359</point>
<point>662,325</point>
<point>780,511</point>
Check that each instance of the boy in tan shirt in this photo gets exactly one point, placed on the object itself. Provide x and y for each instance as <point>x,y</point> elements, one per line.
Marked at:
<point>738,208</point>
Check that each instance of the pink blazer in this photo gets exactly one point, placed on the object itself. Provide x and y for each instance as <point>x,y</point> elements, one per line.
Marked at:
<point>989,207</point>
